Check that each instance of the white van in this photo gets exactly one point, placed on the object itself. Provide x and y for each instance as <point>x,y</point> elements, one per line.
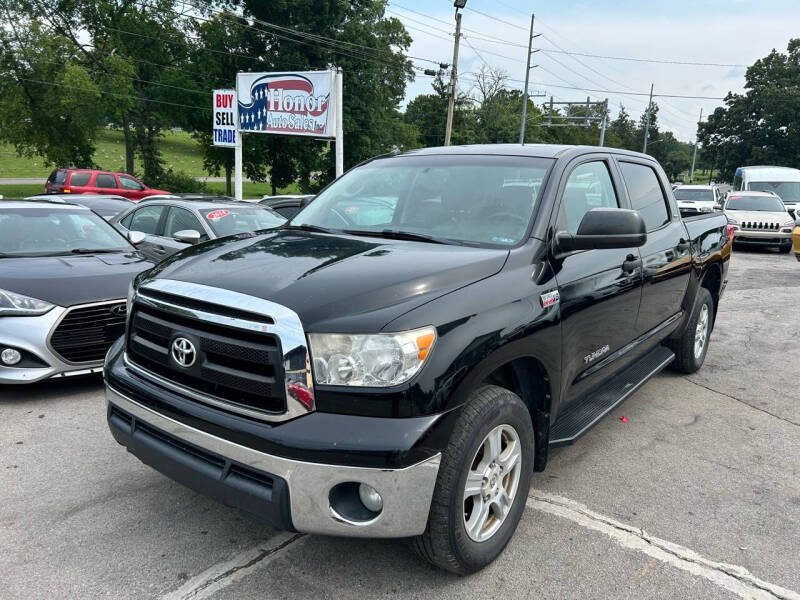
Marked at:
<point>783,181</point>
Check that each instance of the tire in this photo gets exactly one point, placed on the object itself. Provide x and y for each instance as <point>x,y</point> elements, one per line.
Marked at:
<point>785,248</point>
<point>446,542</point>
<point>687,360</point>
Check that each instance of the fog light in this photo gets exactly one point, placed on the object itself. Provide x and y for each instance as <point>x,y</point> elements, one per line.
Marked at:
<point>10,357</point>
<point>370,497</point>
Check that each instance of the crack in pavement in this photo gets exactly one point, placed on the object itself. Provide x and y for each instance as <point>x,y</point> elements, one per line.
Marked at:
<point>758,408</point>
<point>221,575</point>
<point>734,578</point>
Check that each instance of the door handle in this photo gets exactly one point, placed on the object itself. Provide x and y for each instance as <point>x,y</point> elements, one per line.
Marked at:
<point>683,245</point>
<point>631,263</point>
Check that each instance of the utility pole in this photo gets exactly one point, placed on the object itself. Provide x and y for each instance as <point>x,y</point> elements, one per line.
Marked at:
<point>603,123</point>
<point>527,78</point>
<point>694,154</point>
<point>647,120</point>
<point>451,105</point>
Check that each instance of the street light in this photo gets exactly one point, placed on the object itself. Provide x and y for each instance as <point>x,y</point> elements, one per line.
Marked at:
<point>459,4</point>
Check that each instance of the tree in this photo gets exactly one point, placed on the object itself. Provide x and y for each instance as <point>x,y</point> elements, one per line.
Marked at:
<point>49,105</point>
<point>428,114</point>
<point>761,126</point>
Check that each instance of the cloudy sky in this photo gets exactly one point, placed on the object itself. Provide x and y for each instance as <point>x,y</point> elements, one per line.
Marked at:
<point>727,32</point>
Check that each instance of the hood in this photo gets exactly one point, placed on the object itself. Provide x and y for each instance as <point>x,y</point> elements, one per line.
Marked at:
<point>70,280</point>
<point>759,216</point>
<point>335,283</point>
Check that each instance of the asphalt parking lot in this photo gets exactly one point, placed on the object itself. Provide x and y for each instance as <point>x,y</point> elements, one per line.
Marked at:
<point>697,495</point>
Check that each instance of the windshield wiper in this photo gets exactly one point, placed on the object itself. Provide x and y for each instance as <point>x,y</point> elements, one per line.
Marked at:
<point>306,227</point>
<point>394,234</point>
<point>98,251</point>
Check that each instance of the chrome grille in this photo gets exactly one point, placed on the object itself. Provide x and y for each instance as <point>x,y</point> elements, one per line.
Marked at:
<point>85,333</point>
<point>760,226</point>
<point>251,355</point>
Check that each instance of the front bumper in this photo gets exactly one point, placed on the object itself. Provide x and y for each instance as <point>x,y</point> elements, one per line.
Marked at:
<point>287,493</point>
<point>763,238</point>
<point>31,335</point>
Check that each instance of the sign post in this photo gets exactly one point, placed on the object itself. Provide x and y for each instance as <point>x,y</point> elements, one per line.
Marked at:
<point>307,103</point>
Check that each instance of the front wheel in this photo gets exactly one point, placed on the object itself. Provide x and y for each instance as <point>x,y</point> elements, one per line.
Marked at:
<point>785,248</point>
<point>482,485</point>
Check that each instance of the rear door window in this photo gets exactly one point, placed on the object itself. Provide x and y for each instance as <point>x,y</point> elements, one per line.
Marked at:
<point>105,180</point>
<point>646,194</point>
<point>80,178</point>
<point>146,219</point>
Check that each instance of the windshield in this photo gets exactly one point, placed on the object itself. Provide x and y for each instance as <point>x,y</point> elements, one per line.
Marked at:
<point>695,195</point>
<point>765,203</point>
<point>788,191</point>
<point>241,219</point>
<point>468,199</point>
<point>56,231</point>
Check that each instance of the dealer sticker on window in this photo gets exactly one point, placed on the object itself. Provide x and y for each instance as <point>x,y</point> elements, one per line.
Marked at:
<point>217,214</point>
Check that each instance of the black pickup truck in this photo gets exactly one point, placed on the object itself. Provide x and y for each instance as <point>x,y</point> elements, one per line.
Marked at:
<point>397,360</point>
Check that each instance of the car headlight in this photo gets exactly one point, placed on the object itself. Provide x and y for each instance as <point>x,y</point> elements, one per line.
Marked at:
<point>788,223</point>
<point>378,360</point>
<point>12,304</point>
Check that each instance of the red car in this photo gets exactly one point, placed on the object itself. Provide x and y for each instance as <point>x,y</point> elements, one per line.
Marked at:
<point>89,181</point>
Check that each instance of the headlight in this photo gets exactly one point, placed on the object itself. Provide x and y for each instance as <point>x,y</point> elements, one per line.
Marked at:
<point>788,223</point>
<point>23,306</point>
<point>379,360</point>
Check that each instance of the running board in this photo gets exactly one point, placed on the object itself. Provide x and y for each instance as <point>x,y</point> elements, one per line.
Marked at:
<point>586,411</point>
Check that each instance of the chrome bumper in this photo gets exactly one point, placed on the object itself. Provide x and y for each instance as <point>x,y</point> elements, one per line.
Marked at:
<point>406,492</point>
<point>31,334</point>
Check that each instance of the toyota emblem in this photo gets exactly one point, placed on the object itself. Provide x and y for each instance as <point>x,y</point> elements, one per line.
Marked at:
<point>183,351</point>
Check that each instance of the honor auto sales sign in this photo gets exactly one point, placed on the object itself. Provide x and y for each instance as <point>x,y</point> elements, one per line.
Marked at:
<point>299,103</point>
<point>224,126</point>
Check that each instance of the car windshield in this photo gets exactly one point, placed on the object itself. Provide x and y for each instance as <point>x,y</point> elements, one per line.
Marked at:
<point>695,195</point>
<point>228,220</point>
<point>46,231</point>
<point>762,203</point>
<point>471,199</point>
<point>788,191</point>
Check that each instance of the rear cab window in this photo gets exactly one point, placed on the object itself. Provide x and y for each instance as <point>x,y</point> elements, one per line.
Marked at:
<point>58,177</point>
<point>645,193</point>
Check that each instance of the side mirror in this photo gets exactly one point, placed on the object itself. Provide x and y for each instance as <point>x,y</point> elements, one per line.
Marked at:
<point>136,237</point>
<point>603,228</point>
<point>187,236</point>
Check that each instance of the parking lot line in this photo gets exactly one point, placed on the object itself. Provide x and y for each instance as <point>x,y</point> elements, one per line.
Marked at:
<point>734,578</point>
<point>222,574</point>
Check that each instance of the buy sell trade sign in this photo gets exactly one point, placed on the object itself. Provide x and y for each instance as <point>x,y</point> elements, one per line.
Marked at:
<point>225,118</point>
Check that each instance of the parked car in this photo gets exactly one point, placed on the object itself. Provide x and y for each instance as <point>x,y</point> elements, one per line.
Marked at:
<point>170,225</point>
<point>796,239</point>
<point>760,218</point>
<point>783,181</point>
<point>89,181</point>
<point>404,378</point>
<point>696,199</point>
<point>287,205</point>
<point>64,273</point>
<point>107,206</point>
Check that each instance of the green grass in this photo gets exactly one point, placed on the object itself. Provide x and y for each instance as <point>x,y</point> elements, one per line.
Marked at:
<point>181,153</point>
<point>21,191</point>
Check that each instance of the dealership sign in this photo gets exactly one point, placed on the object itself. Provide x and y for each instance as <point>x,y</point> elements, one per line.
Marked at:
<point>299,103</point>
<point>224,125</point>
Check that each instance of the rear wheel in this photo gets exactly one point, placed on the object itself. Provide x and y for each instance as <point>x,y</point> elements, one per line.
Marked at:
<point>690,350</point>
<point>482,485</point>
